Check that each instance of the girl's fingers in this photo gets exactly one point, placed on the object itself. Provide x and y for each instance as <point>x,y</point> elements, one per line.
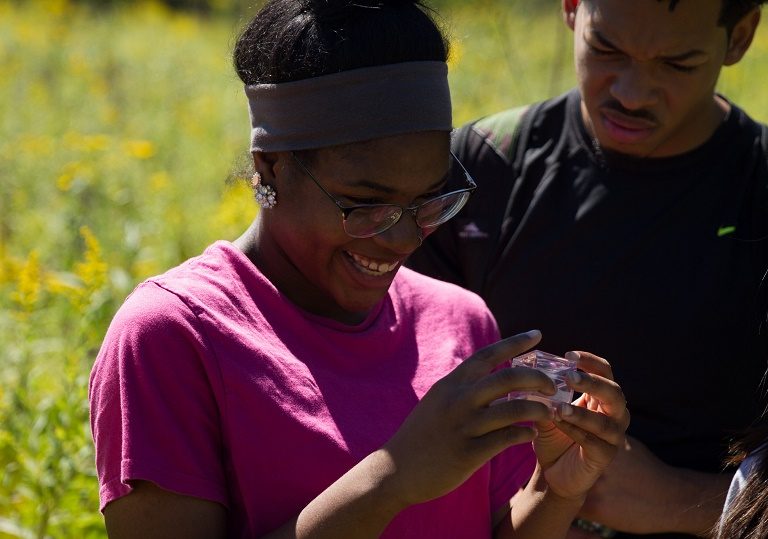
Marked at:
<point>599,449</point>
<point>494,442</point>
<point>591,363</point>
<point>486,359</point>
<point>507,413</point>
<point>501,382</point>
<point>607,392</point>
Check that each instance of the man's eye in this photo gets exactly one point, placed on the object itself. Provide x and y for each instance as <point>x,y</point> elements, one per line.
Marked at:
<point>601,52</point>
<point>681,68</point>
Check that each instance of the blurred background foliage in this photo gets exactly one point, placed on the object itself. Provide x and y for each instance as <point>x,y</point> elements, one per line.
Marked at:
<point>123,130</point>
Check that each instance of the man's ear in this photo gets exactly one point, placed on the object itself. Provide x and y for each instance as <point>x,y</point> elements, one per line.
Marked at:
<point>569,12</point>
<point>741,37</point>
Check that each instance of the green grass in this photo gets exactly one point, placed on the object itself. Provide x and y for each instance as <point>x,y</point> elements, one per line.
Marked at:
<point>118,131</point>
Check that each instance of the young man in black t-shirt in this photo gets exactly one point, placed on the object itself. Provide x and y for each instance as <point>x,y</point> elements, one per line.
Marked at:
<point>629,218</point>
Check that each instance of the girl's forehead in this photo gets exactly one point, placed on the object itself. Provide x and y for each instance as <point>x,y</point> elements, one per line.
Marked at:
<point>389,164</point>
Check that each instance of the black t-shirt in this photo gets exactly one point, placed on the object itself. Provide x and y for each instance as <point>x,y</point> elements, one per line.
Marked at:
<point>653,264</point>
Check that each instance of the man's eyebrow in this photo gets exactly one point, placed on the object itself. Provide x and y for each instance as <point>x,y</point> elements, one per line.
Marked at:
<point>687,55</point>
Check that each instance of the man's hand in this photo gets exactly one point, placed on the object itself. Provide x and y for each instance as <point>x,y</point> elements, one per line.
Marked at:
<point>639,493</point>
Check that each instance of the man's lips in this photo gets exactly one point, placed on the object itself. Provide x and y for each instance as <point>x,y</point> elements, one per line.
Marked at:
<point>626,129</point>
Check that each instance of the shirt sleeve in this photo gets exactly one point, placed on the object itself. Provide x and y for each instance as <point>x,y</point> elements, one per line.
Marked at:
<point>154,412</point>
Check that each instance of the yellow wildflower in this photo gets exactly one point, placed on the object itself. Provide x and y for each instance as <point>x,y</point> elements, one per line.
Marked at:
<point>184,26</point>
<point>36,145</point>
<point>139,149</point>
<point>143,268</point>
<point>92,271</point>
<point>66,285</point>
<point>72,171</point>
<point>95,143</point>
<point>159,181</point>
<point>29,283</point>
<point>236,209</point>
<point>61,283</point>
<point>54,7</point>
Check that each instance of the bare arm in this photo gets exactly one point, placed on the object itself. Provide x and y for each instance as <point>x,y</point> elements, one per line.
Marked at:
<point>356,505</point>
<point>153,513</point>
<point>661,498</point>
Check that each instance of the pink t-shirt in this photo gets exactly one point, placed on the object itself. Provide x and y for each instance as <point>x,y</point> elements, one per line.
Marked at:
<point>212,384</point>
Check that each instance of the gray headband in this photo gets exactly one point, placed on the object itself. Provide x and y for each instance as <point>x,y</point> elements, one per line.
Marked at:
<point>350,106</point>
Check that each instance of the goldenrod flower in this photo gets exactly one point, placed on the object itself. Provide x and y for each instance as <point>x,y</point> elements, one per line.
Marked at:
<point>139,149</point>
<point>29,283</point>
<point>159,181</point>
<point>92,271</point>
<point>54,7</point>
<point>236,209</point>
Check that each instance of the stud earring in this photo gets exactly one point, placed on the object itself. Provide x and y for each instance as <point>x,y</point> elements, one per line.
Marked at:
<point>266,196</point>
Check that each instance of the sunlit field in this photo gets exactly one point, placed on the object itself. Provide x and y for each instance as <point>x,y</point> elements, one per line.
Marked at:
<point>122,137</point>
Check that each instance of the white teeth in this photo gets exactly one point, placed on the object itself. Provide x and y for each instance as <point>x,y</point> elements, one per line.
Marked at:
<point>373,268</point>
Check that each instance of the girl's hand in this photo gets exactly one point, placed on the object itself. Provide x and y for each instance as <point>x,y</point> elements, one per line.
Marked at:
<point>454,429</point>
<point>580,442</point>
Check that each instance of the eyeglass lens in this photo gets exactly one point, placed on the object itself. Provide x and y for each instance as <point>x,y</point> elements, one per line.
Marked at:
<point>365,222</point>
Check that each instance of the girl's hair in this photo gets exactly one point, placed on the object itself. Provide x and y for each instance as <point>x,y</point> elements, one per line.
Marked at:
<point>290,40</point>
<point>747,516</point>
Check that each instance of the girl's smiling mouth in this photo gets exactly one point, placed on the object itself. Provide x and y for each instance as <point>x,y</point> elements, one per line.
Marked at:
<point>371,267</point>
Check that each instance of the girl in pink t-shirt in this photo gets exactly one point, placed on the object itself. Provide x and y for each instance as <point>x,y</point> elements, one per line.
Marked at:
<point>298,382</point>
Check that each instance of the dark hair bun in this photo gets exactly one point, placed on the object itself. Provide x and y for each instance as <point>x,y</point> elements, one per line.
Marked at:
<point>291,40</point>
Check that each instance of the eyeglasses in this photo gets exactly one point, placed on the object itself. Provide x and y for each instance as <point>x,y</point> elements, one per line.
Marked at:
<point>366,220</point>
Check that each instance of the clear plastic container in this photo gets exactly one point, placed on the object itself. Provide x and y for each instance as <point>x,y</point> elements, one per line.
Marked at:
<point>555,367</point>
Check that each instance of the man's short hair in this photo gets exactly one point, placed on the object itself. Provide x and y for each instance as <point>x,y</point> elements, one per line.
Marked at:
<point>731,12</point>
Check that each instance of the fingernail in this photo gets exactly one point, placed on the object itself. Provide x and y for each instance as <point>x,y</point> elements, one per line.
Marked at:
<point>533,333</point>
<point>574,377</point>
<point>566,410</point>
<point>572,356</point>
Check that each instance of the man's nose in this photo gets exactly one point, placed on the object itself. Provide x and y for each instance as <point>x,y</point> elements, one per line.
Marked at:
<point>634,87</point>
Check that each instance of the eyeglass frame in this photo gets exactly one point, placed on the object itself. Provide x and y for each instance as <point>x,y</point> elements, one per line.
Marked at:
<point>347,210</point>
